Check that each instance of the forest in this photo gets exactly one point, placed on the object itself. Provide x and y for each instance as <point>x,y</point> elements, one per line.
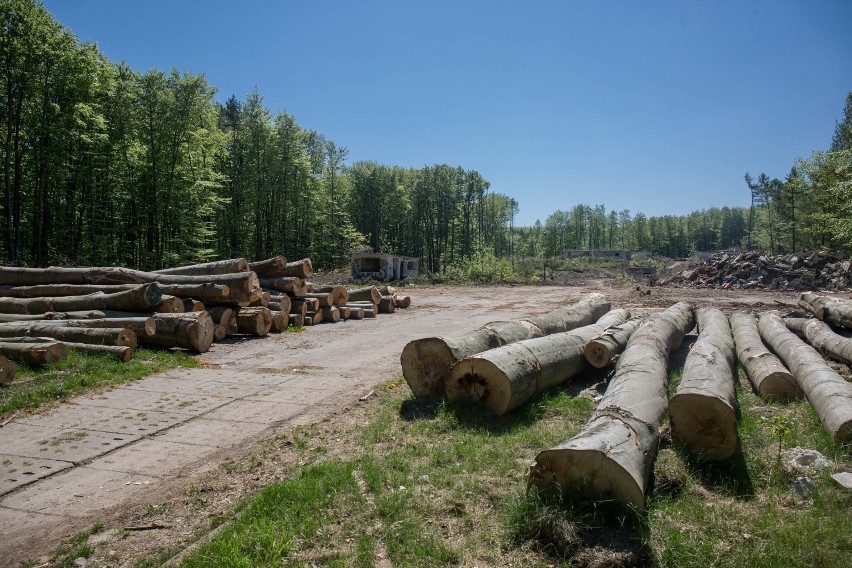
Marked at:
<point>104,164</point>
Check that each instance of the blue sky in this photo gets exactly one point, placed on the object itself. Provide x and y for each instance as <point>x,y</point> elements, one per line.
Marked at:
<point>658,107</point>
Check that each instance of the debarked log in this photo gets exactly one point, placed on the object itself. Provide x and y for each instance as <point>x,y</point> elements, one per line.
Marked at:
<point>613,455</point>
<point>768,376</point>
<point>139,299</point>
<point>503,378</point>
<point>601,350</point>
<point>822,337</point>
<point>828,392</point>
<point>703,410</point>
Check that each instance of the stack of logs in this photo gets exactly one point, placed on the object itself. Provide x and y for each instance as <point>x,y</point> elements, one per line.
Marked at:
<point>45,312</point>
<point>502,365</point>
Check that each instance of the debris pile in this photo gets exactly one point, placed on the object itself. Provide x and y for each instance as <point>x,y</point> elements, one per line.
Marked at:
<point>753,270</point>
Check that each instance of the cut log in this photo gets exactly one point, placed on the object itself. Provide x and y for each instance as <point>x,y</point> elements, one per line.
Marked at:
<point>169,305</point>
<point>254,321</point>
<point>703,410</point>
<point>339,294</point>
<point>829,393</point>
<point>308,320</point>
<point>269,268</point>
<point>768,376</point>
<point>192,331</point>
<point>311,304</point>
<point>572,317</point>
<point>387,291</point>
<point>288,284</point>
<point>33,353</point>
<point>230,266</point>
<point>330,314</point>
<point>299,309</point>
<point>98,336</point>
<point>402,302</point>
<point>354,313</point>
<point>826,308</point>
<point>219,332</point>
<point>140,325</point>
<point>426,362</point>
<point>368,294</point>
<point>316,317</point>
<point>281,303</point>
<point>601,350</point>
<point>262,301</point>
<point>300,268</point>
<point>190,305</point>
<point>224,316</point>
<point>7,371</point>
<point>123,353</point>
<point>325,299</point>
<point>823,338</point>
<point>279,321</point>
<point>369,313</point>
<point>503,378</point>
<point>296,319</point>
<point>612,457</point>
<point>201,292</point>
<point>387,305</point>
<point>139,299</point>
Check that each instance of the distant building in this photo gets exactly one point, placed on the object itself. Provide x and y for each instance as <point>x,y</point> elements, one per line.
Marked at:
<point>602,253</point>
<point>380,266</point>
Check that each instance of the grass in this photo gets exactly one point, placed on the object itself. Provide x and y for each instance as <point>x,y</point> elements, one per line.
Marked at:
<point>80,373</point>
<point>411,484</point>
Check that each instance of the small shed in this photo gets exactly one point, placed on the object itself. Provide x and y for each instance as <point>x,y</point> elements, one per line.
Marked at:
<point>387,267</point>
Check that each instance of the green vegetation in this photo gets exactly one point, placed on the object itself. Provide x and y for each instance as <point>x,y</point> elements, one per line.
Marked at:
<point>104,165</point>
<point>433,485</point>
<point>81,373</point>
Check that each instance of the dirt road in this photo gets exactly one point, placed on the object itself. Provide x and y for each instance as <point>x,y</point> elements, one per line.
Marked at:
<point>138,444</point>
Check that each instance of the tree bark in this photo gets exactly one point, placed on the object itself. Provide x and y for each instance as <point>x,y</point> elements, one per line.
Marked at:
<point>315,317</point>
<point>768,376</point>
<point>279,321</point>
<point>571,317</point>
<point>139,299</point>
<point>838,312</point>
<point>282,303</point>
<point>503,378</point>
<point>243,286</point>
<point>7,371</point>
<point>269,268</point>
<point>142,325</point>
<point>402,302</point>
<point>192,331</point>
<point>601,350</point>
<point>197,291</point>
<point>330,314</point>
<point>368,294</point>
<point>703,410</point>
<point>289,284</point>
<point>822,337</point>
<point>339,294</point>
<point>325,299</point>
<point>224,316</point>
<point>169,305</point>
<point>354,313</point>
<point>219,332</point>
<point>387,305</point>
<point>123,353</point>
<point>426,362</point>
<point>254,321</point>
<point>829,393</point>
<point>99,336</point>
<point>33,353</point>
<point>230,266</point>
<point>300,268</point>
<point>190,305</point>
<point>297,319</point>
<point>613,455</point>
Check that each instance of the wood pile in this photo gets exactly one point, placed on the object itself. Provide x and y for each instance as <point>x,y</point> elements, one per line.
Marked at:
<point>752,270</point>
<point>44,312</point>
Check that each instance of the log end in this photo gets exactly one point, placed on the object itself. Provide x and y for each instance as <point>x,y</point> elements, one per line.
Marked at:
<point>596,354</point>
<point>705,425</point>
<point>7,370</point>
<point>779,386</point>
<point>478,380</point>
<point>426,365</point>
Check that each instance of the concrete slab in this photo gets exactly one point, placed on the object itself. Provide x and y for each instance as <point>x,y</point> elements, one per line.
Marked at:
<point>80,492</point>
<point>16,471</point>
<point>134,399</point>
<point>292,395</point>
<point>153,457</point>
<point>74,445</point>
<point>212,433</point>
<point>16,530</point>
<point>106,419</point>
<point>192,387</point>
<point>16,436</point>
<point>256,411</point>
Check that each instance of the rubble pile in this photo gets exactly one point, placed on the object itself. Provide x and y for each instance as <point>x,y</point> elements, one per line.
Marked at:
<point>753,270</point>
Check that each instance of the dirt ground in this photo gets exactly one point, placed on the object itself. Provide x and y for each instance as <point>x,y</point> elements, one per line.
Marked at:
<point>182,512</point>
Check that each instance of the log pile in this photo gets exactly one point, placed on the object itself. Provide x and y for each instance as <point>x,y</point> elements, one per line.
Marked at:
<point>752,270</point>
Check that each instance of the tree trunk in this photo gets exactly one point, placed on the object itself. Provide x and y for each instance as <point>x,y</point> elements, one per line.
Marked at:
<point>402,302</point>
<point>838,312</point>
<point>315,317</point>
<point>254,321</point>
<point>426,362</point>
<point>339,294</point>
<point>387,305</point>
<point>289,284</point>
<point>822,337</point>
<point>197,291</point>
<point>99,336</point>
<point>368,294</point>
<point>243,286</point>
<point>354,313</point>
<point>200,292</point>
<point>330,314</point>
<point>387,291</point>
<point>829,393</point>
<point>325,299</point>
<point>192,331</point>
<point>224,316</point>
<point>613,455</point>
<point>141,325</point>
<point>279,321</point>
<point>33,353</point>
<point>297,319</point>
<point>123,353</point>
<point>269,268</point>
<point>300,268</point>
<point>601,350</point>
<point>140,299</point>
<point>703,410</point>
<point>219,332</point>
<point>769,377</point>
<point>7,371</point>
<point>231,266</point>
<point>281,303</point>
<point>571,317</point>
<point>169,305</point>
<point>503,378</point>
<point>190,305</point>
<point>308,319</point>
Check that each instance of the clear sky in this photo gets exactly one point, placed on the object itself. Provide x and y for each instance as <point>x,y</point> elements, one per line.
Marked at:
<point>653,106</point>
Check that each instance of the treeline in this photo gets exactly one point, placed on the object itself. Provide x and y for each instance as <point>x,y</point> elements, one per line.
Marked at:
<point>103,164</point>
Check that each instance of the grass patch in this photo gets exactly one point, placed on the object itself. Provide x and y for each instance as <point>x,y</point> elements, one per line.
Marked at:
<point>409,483</point>
<point>80,373</point>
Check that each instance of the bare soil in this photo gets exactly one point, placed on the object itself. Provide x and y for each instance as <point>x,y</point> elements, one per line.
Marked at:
<point>194,503</point>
